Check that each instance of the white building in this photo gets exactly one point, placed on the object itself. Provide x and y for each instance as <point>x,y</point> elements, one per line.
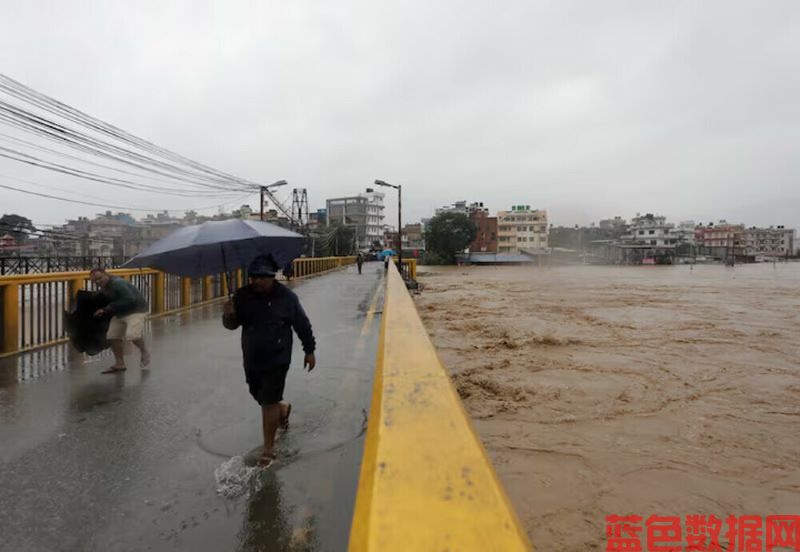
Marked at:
<point>769,242</point>
<point>522,230</point>
<point>364,212</point>
<point>684,232</point>
<point>652,230</point>
<point>457,207</point>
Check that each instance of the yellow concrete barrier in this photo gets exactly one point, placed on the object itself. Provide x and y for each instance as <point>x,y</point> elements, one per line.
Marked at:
<point>426,482</point>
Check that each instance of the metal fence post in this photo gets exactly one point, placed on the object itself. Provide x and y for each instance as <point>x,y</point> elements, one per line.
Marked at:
<point>208,288</point>
<point>186,292</point>
<point>9,295</point>
<point>158,293</point>
<point>75,286</point>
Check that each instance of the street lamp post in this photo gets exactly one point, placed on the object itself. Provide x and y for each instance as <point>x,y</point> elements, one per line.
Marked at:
<point>399,189</point>
<point>264,192</point>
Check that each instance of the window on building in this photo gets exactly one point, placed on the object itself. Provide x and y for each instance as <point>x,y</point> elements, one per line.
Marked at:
<point>641,232</point>
<point>652,232</point>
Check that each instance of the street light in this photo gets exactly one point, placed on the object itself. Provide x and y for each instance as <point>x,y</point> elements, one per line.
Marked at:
<point>399,189</point>
<point>264,192</point>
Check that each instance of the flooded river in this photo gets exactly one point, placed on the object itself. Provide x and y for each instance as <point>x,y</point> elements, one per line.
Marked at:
<point>627,390</point>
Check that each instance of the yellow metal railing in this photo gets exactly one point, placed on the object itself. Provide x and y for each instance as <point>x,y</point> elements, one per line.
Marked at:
<point>32,305</point>
<point>315,265</point>
<point>409,267</point>
<point>426,482</point>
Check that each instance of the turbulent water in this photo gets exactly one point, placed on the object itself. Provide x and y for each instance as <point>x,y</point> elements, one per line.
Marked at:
<point>234,478</point>
<point>643,390</point>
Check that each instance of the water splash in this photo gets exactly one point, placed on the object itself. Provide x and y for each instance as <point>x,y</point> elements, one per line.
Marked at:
<point>234,478</point>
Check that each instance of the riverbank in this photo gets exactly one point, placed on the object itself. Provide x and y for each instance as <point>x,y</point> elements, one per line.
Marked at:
<point>614,390</point>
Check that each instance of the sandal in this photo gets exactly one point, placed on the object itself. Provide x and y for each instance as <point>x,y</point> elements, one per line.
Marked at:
<point>266,461</point>
<point>114,369</point>
<point>145,362</point>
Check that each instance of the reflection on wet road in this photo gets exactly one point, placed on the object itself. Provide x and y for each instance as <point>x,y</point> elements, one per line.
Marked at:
<point>127,462</point>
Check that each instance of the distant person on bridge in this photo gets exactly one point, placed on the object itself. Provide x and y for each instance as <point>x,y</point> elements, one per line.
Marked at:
<point>127,307</point>
<point>288,270</point>
<point>360,262</point>
<point>267,311</point>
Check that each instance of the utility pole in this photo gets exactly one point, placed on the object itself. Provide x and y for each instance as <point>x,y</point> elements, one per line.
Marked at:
<point>264,193</point>
<point>399,189</point>
<point>300,206</point>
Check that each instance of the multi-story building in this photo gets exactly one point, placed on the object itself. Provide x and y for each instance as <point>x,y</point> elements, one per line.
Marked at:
<point>722,240</point>
<point>522,230</point>
<point>414,237</point>
<point>722,234</point>
<point>486,231</point>
<point>364,212</point>
<point>685,232</point>
<point>460,207</point>
<point>768,242</point>
<point>457,207</point>
<point>617,224</point>
<point>138,237</point>
<point>651,230</point>
<point>390,238</point>
<point>317,218</point>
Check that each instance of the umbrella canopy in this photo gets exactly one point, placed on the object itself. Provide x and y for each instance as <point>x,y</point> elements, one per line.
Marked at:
<point>219,246</point>
<point>388,252</point>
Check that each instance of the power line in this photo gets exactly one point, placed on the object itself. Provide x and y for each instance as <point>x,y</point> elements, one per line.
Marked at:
<point>187,177</point>
<point>105,205</point>
<point>55,131</point>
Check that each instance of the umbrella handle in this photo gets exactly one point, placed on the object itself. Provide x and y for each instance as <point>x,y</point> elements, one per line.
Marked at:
<point>225,268</point>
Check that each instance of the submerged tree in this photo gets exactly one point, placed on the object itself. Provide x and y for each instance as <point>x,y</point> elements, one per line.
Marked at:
<point>448,234</point>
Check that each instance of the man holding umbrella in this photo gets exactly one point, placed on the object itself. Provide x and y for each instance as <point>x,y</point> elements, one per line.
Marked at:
<point>268,311</point>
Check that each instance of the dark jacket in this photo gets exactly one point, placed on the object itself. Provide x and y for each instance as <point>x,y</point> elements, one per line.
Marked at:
<point>123,297</point>
<point>267,322</point>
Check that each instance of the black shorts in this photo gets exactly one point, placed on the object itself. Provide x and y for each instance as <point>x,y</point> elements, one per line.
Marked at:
<point>266,384</point>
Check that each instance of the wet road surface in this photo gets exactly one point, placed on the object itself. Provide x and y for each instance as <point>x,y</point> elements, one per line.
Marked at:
<point>127,462</point>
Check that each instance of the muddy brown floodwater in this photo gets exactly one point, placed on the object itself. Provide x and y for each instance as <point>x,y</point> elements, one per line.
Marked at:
<point>626,390</point>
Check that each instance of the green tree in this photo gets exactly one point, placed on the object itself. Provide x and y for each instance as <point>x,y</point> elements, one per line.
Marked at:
<point>16,225</point>
<point>447,235</point>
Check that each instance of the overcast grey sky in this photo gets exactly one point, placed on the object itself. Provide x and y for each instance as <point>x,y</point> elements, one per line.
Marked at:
<point>589,109</point>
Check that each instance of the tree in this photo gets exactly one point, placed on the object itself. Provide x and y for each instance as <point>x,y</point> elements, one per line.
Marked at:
<point>16,225</point>
<point>448,234</point>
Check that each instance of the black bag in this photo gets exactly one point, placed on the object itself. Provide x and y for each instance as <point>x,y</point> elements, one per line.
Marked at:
<point>86,332</point>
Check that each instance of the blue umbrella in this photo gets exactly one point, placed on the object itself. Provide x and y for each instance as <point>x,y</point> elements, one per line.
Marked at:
<point>219,246</point>
<point>388,252</point>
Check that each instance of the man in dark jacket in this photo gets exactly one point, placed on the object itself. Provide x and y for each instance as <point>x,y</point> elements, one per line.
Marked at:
<point>128,307</point>
<point>267,311</point>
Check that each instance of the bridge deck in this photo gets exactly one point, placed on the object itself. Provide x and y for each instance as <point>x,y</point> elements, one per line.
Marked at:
<point>127,462</point>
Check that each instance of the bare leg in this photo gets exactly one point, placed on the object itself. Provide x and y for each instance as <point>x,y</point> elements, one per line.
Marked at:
<point>118,348</point>
<point>143,350</point>
<point>286,410</point>
<point>270,420</point>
